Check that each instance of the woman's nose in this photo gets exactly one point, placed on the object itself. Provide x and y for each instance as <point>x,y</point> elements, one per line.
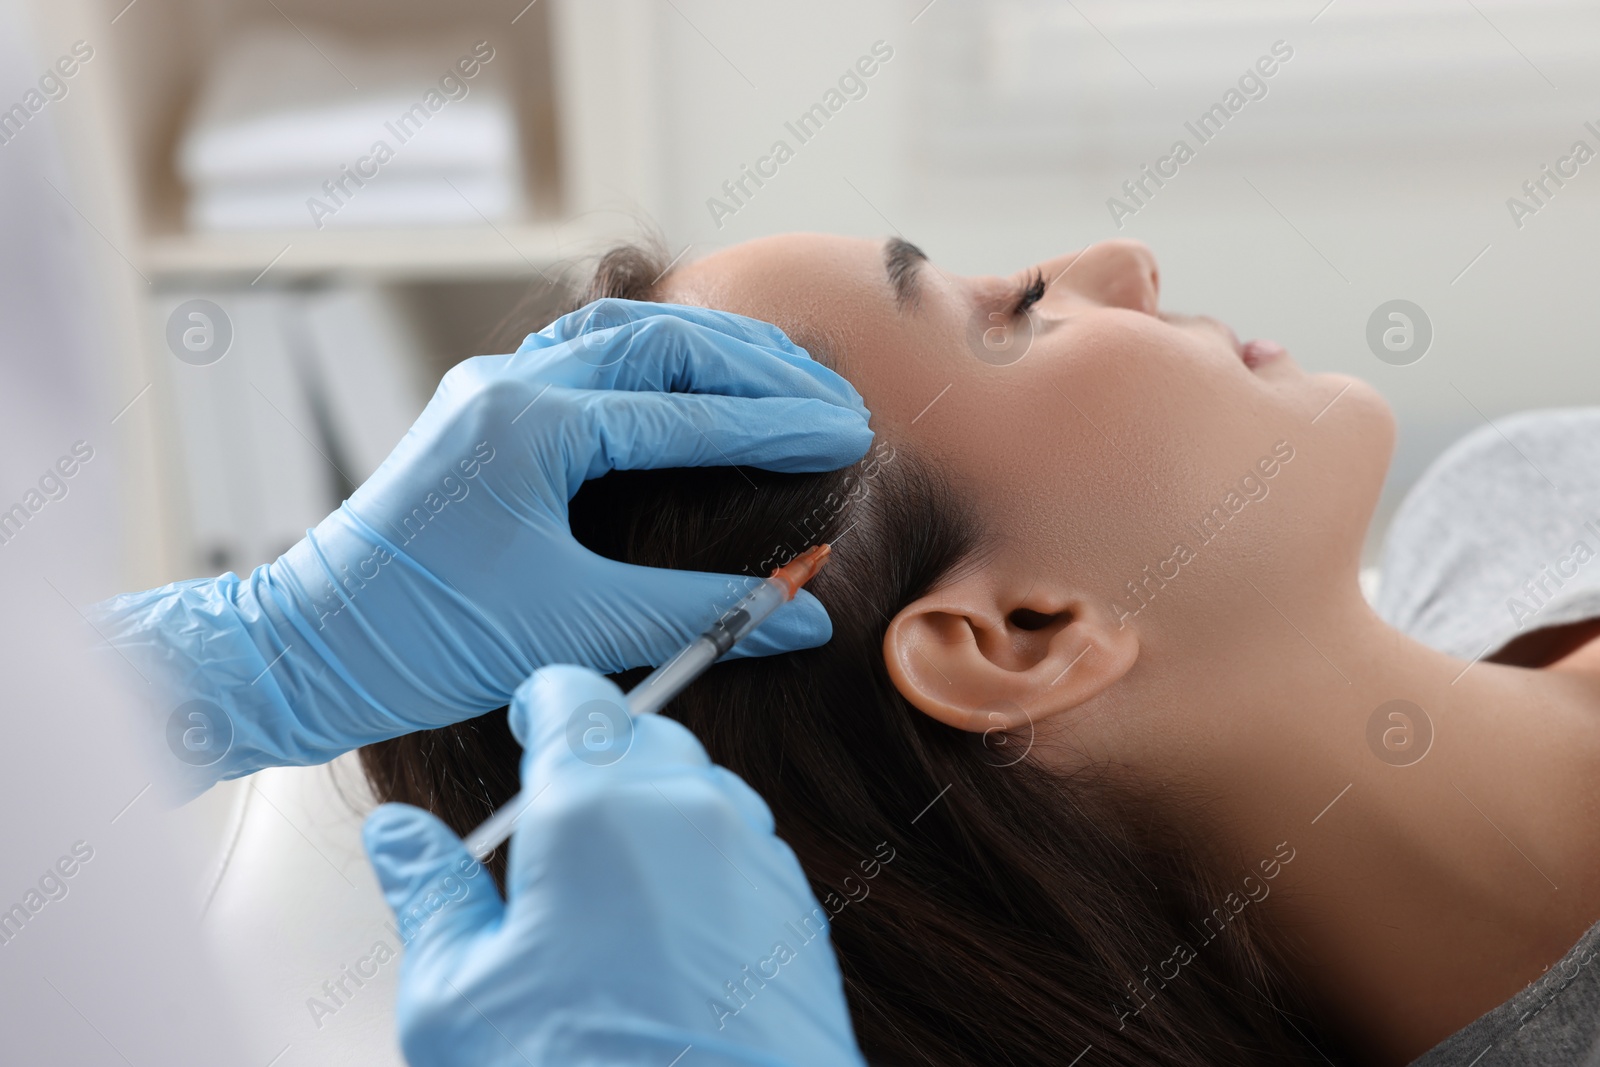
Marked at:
<point>1118,273</point>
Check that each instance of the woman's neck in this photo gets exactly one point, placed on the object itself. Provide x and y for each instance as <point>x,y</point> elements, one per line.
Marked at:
<point>1432,879</point>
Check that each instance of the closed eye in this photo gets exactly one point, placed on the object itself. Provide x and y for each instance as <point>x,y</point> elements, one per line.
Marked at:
<point>1032,292</point>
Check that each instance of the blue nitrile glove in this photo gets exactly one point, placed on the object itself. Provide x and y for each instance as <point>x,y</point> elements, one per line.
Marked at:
<point>451,573</point>
<point>649,909</point>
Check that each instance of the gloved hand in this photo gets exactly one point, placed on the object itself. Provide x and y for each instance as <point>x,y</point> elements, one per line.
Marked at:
<point>649,909</point>
<point>451,573</point>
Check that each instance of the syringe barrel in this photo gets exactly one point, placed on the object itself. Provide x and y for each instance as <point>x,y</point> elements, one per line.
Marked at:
<point>657,690</point>
<point>669,679</point>
<point>736,624</point>
<point>672,677</point>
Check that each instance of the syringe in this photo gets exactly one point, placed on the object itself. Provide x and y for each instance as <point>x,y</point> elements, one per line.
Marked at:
<point>673,676</point>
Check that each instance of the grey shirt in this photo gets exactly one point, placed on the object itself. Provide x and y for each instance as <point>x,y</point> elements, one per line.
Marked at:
<point>1501,537</point>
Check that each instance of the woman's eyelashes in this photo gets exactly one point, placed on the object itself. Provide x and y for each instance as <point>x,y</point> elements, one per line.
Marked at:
<point>1032,292</point>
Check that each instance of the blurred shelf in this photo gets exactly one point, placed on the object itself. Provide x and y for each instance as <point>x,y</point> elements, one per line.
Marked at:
<point>505,250</point>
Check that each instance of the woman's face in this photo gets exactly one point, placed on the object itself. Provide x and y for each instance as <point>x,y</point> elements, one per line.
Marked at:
<point>1141,472</point>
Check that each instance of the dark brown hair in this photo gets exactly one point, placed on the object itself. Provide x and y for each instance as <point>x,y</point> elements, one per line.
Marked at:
<point>984,910</point>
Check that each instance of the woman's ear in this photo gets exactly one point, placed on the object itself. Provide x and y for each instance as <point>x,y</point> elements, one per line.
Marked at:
<point>978,654</point>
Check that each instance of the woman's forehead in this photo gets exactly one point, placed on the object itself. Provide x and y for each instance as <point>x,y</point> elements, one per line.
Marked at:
<point>790,270</point>
<point>827,293</point>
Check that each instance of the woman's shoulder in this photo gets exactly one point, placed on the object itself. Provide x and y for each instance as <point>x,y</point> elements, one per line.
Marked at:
<point>1555,1020</point>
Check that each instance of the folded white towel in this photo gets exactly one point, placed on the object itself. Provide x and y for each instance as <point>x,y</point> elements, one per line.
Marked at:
<point>277,116</point>
<point>384,201</point>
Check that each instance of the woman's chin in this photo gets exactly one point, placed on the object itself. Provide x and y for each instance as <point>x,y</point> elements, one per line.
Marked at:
<point>1350,419</point>
<point>1344,398</point>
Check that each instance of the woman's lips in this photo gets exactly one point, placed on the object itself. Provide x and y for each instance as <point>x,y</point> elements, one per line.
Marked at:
<point>1252,354</point>
<point>1258,352</point>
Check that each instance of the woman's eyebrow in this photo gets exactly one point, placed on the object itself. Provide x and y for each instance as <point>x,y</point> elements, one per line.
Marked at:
<point>902,261</point>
